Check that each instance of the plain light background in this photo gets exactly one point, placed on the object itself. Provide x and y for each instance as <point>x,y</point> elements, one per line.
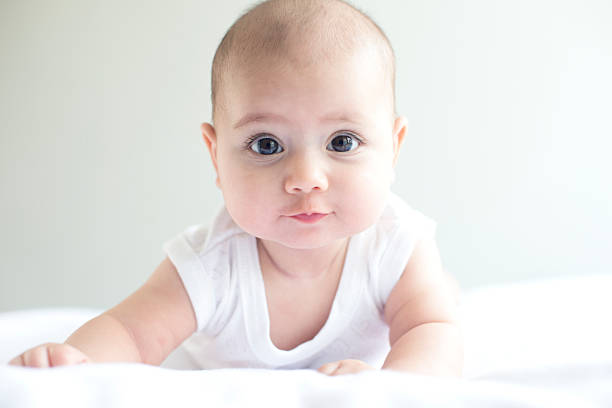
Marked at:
<point>102,161</point>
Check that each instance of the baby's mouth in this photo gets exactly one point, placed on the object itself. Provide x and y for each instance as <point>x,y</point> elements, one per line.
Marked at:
<point>308,218</point>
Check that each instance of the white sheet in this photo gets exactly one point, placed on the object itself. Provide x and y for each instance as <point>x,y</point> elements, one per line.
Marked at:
<point>546,343</point>
<point>117,385</point>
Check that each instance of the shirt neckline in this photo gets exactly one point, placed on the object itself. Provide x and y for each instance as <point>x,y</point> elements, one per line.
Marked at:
<point>257,317</point>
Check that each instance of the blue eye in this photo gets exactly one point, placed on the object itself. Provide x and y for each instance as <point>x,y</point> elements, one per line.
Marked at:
<point>343,142</point>
<point>266,146</point>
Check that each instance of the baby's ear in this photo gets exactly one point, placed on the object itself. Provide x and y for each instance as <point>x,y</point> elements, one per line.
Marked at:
<point>399,131</point>
<point>210,138</point>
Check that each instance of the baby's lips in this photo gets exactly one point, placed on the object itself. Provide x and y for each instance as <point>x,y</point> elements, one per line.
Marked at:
<point>309,218</point>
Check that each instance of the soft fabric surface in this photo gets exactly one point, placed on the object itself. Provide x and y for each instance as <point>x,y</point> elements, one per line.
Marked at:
<point>117,385</point>
<point>544,343</point>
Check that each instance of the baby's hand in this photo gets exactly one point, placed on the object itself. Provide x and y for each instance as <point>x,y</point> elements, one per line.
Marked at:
<point>50,355</point>
<point>344,367</point>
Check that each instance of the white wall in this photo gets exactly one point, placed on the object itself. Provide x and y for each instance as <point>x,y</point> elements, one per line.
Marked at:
<point>101,159</point>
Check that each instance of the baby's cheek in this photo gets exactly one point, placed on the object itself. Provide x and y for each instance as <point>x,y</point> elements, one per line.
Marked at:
<point>252,205</point>
<point>368,197</point>
<point>375,179</point>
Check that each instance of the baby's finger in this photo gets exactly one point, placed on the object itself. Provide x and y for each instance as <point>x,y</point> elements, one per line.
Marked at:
<point>17,361</point>
<point>36,357</point>
<point>329,368</point>
<point>351,367</point>
<point>63,354</point>
<point>346,369</point>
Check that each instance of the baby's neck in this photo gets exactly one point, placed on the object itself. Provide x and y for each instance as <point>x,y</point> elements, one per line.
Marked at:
<point>310,264</point>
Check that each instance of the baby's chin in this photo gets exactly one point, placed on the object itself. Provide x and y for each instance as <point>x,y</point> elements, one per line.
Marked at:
<point>305,244</point>
<point>309,240</point>
<point>299,240</point>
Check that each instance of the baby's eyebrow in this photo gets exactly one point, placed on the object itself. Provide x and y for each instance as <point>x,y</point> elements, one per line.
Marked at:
<point>271,117</point>
<point>353,117</point>
<point>258,117</point>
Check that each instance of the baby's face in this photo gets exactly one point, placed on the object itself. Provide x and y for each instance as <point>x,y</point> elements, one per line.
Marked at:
<point>319,140</point>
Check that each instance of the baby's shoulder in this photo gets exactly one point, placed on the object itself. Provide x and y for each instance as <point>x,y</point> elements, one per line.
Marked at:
<point>398,214</point>
<point>207,239</point>
<point>392,242</point>
<point>222,230</point>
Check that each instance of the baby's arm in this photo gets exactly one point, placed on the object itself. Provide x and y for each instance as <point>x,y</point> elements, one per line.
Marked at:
<point>422,315</point>
<point>145,327</point>
<point>421,312</point>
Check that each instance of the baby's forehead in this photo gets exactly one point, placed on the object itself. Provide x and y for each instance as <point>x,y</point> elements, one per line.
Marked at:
<point>318,97</point>
<point>302,62</point>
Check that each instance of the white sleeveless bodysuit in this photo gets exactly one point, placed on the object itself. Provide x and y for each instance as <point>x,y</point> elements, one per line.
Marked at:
<point>219,267</point>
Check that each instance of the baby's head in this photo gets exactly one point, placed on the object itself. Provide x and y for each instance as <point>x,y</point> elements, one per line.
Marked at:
<point>304,121</point>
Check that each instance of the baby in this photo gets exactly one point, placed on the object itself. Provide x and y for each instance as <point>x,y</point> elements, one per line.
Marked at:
<point>312,262</point>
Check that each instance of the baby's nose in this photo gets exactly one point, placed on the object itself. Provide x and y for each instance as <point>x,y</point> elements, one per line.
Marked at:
<point>306,173</point>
